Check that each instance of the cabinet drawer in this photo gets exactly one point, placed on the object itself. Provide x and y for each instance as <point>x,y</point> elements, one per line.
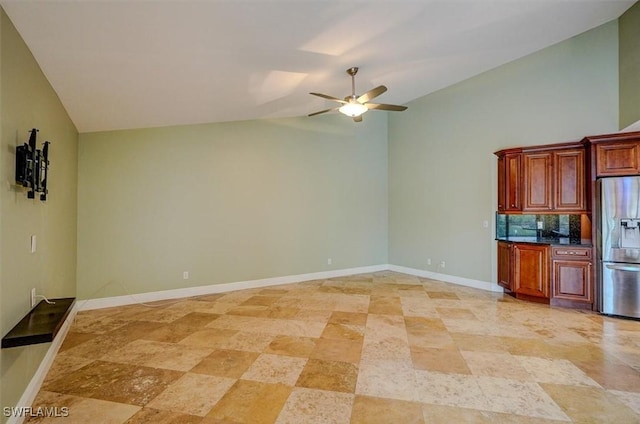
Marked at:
<point>571,252</point>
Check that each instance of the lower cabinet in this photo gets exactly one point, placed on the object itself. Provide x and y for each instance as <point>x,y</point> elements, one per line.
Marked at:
<point>571,274</point>
<point>504,265</point>
<point>531,270</point>
<point>550,274</point>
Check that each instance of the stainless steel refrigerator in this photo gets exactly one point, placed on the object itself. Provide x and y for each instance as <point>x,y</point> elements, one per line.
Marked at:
<point>620,245</point>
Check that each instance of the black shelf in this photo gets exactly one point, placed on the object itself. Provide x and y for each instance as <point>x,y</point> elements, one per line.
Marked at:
<point>40,325</point>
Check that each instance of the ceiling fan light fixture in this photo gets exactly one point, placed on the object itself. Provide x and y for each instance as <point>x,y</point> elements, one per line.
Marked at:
<point>353,109</point>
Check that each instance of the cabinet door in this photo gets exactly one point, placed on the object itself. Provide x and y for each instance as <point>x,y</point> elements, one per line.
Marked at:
<point>502,187</point>
<point>617,159</point>
<point>531,270</point>
<point>512,182</point>
<point>569,173</point>
<point>504,265</point>
<point>538,181</point>
<point>572,280</point>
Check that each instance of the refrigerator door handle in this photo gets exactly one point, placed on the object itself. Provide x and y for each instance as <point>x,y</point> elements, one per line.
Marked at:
<point>630,268</point>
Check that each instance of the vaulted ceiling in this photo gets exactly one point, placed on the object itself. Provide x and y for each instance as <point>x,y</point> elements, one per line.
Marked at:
<point>135,64</point>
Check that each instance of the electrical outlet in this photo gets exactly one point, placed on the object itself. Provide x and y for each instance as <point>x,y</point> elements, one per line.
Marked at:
<point>540,225</point>
<point>442,264</point>
<point>33,298</point>
<point>329,261</point>
<point>185,275</point>
<point>429,261</point>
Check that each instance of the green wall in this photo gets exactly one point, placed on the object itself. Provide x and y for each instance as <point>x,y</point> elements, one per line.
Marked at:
<point>442,171</point>
<point>230,202</point>
<point>26,101</point>
<point>629,33</point>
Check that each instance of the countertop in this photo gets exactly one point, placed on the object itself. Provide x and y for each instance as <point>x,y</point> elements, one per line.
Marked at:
<point>561,241</point>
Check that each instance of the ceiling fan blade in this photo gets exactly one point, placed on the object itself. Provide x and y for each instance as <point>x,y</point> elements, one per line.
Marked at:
<point>322,111</point>
<point>371,94</point>
<point>382,106</point>
<point>357,118</point>
<point>325,96</point>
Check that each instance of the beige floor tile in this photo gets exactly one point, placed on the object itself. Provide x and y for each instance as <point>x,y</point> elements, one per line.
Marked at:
<point>439,360</point>
<point>250,402</point>
<point>337,350</point>
<point>192,394</point>
<point>157,416</point>
<point>556,371</point>
<point>75,338</point>
<point>159,355</point>
<point>329,375</point>
<point>612,374</point>
<point>171,333</point>
<point>451,389</point>
<point>631,399</point>
<point>269,368</point>
<point>343,331</point>
<point>226,363</point>
<point>590,404</point>
<point>496,364</point>
<point>385,305</point>
<point>100,412</point>
<point>139,386</point>
<point>348,318</point>
<point>442,414</point>
<point>196,319</point>
<point>519,398</point>
<point>65,364</point>
<point>476,343</point>
<point>292,346</point>
<point>388,349</point>
<point>312,406</point>
<point>372,410</point>
<point>390,379</point>
<point>250,342</point>
<point>456,313</point>
<point>209,337</point>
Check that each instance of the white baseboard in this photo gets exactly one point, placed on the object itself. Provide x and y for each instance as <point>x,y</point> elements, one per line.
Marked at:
<point>462,281</point>
<point>30,393</point>
<point>108,302</point>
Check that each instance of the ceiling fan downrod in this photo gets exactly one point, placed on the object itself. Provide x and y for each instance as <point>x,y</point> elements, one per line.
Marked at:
<point>353,71</point>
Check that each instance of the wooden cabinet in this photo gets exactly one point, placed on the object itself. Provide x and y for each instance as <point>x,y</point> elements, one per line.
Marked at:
<point>554,181</point>
<point>531,270</point>
<point>561,276</point>
<point>523,269</point>
<point>570,180</point>
<point>538,181</point>
<point>543,179</point>
<point>618,159</point>
<point>509,182</point>
<point>504,265</point>
<point>571,274</point>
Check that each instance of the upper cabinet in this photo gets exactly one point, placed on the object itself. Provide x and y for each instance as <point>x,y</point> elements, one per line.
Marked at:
<point>570,179</point>
<point>616,154</point>
<point>617,159</point>
<point>538,182</point>
<point>509,185</point>
<point>542,179</point>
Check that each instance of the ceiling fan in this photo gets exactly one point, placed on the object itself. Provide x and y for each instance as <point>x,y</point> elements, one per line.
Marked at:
<point>354,106</point>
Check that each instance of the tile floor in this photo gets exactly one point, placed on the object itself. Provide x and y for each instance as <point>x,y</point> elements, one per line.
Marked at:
<point>370,348</point>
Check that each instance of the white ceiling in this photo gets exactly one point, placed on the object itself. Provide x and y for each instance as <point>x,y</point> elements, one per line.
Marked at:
<point>135,64</point>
